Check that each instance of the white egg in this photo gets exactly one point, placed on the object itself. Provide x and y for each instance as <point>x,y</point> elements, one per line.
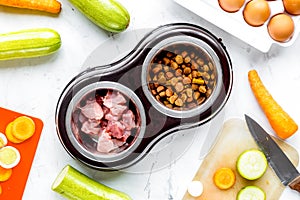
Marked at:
<point>195,188</point>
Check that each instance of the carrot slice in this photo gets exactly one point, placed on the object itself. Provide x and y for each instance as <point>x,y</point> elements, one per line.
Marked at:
<point>224,178</point>
<point>9,135</point>
<point>23,128</point>
<point>51,6</point>
<point>283,125</point>
<point>5,174</point>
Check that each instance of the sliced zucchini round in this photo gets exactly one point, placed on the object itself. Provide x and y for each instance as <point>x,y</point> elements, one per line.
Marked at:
<point>251,193</point>
<point>252,164</point>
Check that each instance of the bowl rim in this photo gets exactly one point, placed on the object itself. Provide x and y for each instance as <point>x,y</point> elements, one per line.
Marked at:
<point>110,157</point>
<point>182,39</point>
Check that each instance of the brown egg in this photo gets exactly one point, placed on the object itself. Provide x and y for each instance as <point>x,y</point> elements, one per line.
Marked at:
<point>281,27</point>
<point>292,6</point>
<point>256,12</point>
<point>231,5</point>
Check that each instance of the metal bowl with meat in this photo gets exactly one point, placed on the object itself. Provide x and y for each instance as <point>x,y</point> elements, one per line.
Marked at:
<point>107,121</point>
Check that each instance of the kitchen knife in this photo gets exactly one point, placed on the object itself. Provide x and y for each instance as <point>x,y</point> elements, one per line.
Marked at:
<point>283,167</point>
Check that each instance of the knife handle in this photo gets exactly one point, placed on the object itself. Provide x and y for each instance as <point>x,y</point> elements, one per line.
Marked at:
<point>295,184</point>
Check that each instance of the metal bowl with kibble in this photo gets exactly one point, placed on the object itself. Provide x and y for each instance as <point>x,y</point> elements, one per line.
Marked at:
<point>182,76</point>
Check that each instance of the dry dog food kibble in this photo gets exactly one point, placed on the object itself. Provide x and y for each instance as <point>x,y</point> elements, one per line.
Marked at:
<point>181,76</point>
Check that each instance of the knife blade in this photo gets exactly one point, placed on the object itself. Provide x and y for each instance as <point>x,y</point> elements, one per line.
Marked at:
<point>280,163</point>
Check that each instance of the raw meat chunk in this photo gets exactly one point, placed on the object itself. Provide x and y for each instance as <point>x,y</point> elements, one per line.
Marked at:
<point>92,110</point>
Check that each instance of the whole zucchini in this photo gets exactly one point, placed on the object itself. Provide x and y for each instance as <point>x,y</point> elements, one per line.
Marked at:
<point>29,43</point>
<point>74,185</point>
<point>107,14</point>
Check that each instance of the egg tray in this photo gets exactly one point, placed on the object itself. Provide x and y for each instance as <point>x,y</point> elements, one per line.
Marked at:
<point>233,23</point>
<point>128,71</point>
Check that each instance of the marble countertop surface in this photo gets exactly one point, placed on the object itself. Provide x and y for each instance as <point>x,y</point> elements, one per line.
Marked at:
<point>33,86</point>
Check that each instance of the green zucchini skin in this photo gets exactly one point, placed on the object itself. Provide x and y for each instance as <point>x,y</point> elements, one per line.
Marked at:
<point>73,185</point>
<point>29,43</point>
<point>109,15</point>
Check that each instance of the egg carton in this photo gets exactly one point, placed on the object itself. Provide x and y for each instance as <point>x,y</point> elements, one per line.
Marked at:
<point>234,23</point>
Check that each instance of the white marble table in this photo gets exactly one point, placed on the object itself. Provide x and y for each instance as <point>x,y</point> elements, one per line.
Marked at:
<point>33,86</point>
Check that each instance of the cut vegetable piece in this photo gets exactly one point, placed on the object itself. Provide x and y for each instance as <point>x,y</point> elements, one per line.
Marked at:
<point>195,188</point>
<point>5,174</point>
<point>3,140</point>
<point>224,178</point>
<point>251,192</point>
<point>74,185</point>
<point>23,128</point>
<point>252,164</point>
<point>9,135</point>
<point>9,157</point>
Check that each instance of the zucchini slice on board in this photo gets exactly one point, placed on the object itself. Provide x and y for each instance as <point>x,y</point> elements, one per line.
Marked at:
<point>251,192</point>
<point>74,185</point>
<point>252,164</point>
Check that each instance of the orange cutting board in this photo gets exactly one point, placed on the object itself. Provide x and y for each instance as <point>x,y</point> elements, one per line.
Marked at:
<point>233,139</point>
<point>13,188</point>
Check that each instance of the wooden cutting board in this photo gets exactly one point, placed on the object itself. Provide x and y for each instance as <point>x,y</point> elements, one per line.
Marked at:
<point>13,188</point>
<point>233,139</point>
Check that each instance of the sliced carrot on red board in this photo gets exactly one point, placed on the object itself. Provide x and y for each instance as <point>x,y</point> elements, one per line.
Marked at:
<point>5,174</point>
<point>23,128</point>
<point>10,136</point>
<point>19,130</point>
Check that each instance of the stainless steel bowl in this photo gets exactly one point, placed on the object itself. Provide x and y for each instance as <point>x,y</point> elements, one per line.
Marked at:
<point>78,143</point>
<point>186,41</point>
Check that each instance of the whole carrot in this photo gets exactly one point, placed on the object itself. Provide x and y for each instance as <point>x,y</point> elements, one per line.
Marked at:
<point>51,6</point>
<point>283,125</point>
